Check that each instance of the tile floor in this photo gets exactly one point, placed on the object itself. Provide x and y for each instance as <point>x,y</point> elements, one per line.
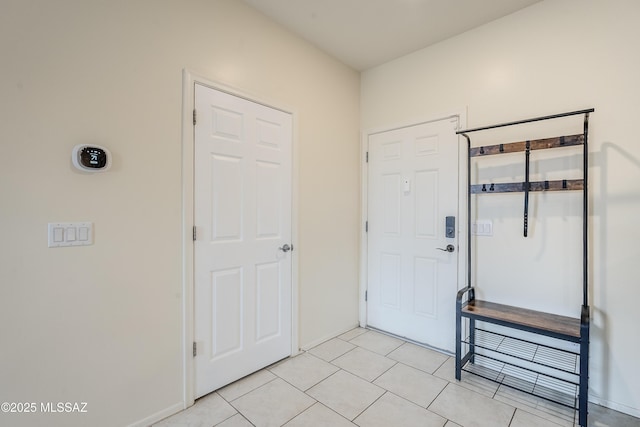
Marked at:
<point>368,379</point>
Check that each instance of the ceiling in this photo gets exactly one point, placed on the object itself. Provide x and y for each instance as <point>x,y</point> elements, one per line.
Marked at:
<point>366,33</point>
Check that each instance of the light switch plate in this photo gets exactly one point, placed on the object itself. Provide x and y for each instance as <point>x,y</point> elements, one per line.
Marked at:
<point>482,228</point>
<point>70,234</point>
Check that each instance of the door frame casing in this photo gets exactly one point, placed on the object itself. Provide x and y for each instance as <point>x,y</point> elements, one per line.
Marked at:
<point>189,79</point>
<point>364,207</point>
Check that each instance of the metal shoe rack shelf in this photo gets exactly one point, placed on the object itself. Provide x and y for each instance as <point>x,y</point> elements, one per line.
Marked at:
<point>554,368</point>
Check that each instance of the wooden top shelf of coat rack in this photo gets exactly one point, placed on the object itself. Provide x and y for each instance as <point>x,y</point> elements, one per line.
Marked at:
<point>514,147</point>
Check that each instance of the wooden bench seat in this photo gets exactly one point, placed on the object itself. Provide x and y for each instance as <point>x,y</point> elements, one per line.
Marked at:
<point>522,318</point>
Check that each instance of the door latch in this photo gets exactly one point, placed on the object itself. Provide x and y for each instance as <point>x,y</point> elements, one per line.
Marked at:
<point>286,247</point>
<point>449,248</point>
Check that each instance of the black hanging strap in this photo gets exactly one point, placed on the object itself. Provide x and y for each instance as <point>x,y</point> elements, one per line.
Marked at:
<point>526,188</point>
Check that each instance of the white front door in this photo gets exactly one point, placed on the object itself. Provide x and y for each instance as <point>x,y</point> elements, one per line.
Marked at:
<point>412,188</point>
<point>242,215</point>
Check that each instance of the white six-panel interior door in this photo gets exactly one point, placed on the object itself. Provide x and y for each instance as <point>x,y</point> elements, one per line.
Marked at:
<point>412,188</point>
<point>242,216</point>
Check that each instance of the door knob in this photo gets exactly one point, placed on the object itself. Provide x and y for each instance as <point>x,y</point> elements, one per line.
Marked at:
<point>286,248</point>
<point>449,248</point>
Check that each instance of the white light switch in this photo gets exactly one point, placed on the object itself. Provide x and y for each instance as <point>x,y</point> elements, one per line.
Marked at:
<point>70,234</point>
<point>83,234</point>
<point>58,234</point>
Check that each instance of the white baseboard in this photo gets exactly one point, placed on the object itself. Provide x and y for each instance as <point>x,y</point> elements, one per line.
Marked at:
<point>160,415</point>
<point>634,412</point>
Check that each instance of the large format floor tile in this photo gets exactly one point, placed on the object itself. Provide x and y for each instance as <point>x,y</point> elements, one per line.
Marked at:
<point>391,410</point>
<point>346,394</point>
<point>418,357</point>
<point>468,409</point>
<point>236,421</point>
<point>364,363</point>
<point>525,419</point>
<point>208,411</point>
<point>273,404</point>
<point>246,384</point>
<point>377,342</point>
<point>304,371</point>
<point>347,336</point>
<point>412,384</point>
<point>469,381</point>
<point>331,349</point>
<point>557,414</point>
<point>319,416</point>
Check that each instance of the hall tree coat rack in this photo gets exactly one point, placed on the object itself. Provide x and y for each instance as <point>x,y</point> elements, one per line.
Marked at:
<point>549,368</point>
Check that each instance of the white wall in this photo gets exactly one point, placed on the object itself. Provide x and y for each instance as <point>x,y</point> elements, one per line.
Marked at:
<point>102,324</point>
<point>552,57</point>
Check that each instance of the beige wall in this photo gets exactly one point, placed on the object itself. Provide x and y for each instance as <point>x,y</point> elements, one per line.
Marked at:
<point>552,57</point>
<point>102,324</point>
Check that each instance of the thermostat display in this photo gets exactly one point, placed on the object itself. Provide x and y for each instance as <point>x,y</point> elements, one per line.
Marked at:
<point>91,158</point>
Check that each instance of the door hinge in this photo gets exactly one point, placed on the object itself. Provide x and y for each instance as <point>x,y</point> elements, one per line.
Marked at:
<point>194,233</point>
<point>366,226</point>
<point>194,117</point>
<point>195,349</point>
<point>366,295</point>
<point>367,157</point>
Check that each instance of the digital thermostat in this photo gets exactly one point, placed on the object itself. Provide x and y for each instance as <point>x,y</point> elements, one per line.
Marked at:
<point>91,158</point>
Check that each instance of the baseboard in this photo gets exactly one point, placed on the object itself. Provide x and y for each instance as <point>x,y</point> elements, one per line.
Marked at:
<point>634,412</point>
<point>160,415</point>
